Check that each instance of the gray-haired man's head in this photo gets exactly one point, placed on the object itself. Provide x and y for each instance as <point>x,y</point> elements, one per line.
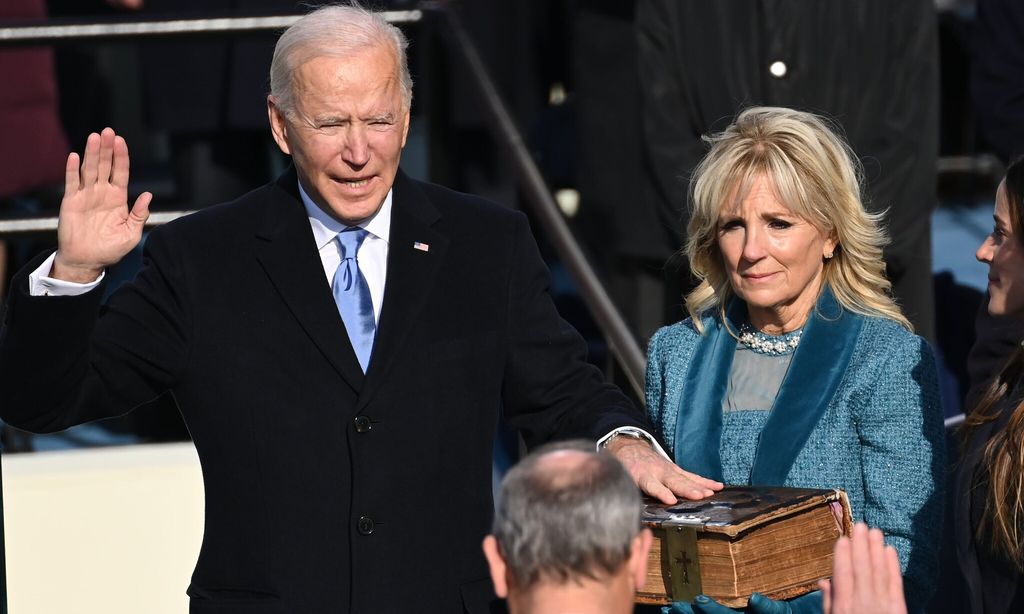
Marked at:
<point>565,515</point>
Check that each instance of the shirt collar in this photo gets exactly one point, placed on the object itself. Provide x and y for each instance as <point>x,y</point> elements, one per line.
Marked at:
<point>326,228</point>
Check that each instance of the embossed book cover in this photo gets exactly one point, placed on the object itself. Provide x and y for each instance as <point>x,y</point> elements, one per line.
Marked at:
<point>744,539</point>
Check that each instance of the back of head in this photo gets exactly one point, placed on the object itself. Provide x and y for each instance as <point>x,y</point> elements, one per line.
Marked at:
<point>566,513</point>
<point>339,31</point>
<point>816,175</point>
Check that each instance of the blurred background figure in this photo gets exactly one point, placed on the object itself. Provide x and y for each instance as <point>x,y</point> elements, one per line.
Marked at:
<point>209,96</point>
<point>33,149</point>
<point>872,65</point>
<point>629,238</point>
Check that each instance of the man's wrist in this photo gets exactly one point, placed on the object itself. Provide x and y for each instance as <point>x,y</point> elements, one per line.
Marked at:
<point>74,273</point>
<point>625,435</point>
<point>40,283</point>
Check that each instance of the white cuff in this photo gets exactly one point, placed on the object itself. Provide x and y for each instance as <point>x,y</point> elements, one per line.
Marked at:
<point>637,433</point>
<point>41,284</point>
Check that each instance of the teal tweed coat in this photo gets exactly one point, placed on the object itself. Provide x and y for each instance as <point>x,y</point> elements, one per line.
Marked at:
<point>858,410</point>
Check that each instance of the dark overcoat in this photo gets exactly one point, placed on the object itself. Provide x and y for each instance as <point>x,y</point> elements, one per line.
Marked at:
<point>326,490</point>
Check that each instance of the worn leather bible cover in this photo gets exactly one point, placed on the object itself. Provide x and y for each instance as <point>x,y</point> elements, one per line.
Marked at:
<point>744,539</point>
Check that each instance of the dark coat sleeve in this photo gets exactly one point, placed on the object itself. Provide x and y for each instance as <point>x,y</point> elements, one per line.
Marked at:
<point>671,126</point>
<point>549,390</point>
<point>69,360</point>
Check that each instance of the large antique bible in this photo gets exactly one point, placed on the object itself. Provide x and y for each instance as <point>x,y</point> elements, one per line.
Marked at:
<point>742,540</point>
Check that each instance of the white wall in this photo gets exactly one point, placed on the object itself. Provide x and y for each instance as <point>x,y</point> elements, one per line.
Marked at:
<point>107,531</point>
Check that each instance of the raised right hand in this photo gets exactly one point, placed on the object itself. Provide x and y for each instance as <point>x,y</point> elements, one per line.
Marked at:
<point>96,229</point>
<point>866,576</point>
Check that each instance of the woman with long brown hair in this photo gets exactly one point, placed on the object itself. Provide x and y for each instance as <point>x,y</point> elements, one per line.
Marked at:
<point>989,516</point>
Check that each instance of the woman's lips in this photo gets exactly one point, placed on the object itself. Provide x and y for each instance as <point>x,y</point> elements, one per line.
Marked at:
<point>757,277</point>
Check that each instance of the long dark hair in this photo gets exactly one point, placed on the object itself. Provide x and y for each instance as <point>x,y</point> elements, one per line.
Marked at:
<point>1002,521</point>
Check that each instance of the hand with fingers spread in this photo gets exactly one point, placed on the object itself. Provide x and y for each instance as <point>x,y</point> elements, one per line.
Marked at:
<point>866,577</point>
<point>658,477</point>
<point>96,228</point>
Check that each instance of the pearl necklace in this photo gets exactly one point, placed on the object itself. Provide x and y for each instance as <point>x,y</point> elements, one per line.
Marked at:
<point>771,345</point>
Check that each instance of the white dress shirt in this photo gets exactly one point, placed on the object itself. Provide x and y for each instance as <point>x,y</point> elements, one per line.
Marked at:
<point>373,253</point>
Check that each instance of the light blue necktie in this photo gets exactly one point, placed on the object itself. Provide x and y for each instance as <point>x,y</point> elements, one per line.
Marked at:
<point>353,296</point>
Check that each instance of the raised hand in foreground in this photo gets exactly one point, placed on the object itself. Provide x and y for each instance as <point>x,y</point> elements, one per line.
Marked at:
<point>866,577</point>
<point>96,229</point>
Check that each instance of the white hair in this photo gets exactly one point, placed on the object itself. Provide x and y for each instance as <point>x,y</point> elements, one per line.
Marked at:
<point>334,31</point>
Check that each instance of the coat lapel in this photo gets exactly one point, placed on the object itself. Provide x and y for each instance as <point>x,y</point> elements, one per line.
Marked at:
<point>287,251</point>
<point>699,423</point>
<point>812,380</point>
<point>818,366</point>
<point>415,254</point>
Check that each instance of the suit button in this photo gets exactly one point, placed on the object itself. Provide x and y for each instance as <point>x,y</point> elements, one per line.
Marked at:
<point>365,525</point>
<point>362,424</point>
<point>778,69</point>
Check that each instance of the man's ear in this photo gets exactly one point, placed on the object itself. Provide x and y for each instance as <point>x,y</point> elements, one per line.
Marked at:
<point>405,130</point>
<point>496,563</point>
<point>278,125</point>
<point>638,557</point>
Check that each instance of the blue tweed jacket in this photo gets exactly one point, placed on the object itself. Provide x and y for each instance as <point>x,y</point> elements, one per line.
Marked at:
<point>858,410</point>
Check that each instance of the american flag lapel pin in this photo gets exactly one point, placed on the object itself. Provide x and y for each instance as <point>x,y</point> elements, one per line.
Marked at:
<point>423,247</point>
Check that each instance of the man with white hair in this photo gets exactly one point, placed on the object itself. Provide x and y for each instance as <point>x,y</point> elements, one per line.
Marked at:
<point>567,536</point>
<point>340,343</point>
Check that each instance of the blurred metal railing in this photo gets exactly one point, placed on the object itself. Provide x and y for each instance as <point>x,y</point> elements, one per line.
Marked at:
<point>50,33</point>
<point>622,343</point>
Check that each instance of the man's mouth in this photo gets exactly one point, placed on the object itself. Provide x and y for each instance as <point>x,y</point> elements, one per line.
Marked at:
<point>355,183</point>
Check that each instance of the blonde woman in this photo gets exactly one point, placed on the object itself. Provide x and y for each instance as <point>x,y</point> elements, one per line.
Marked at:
<point>795,367</point>
<point>989,511</point>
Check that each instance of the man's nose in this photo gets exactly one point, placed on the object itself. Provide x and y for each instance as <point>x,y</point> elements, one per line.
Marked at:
<point>356,150</point>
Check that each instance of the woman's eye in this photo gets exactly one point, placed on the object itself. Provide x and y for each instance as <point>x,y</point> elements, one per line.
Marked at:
<point>730,225</point>
<point>779,224</point>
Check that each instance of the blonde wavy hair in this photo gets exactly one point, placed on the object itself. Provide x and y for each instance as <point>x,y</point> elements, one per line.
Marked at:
<point>816,175</point>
